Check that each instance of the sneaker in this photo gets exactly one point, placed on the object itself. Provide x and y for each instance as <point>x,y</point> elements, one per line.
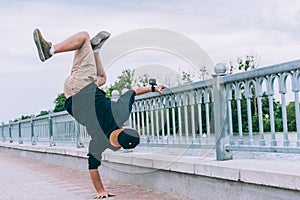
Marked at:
<point>99,40</point>
<point>42,45</point>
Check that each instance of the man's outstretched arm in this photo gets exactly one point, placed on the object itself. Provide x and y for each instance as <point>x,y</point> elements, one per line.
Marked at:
<point>96,179</point>
<point>143,90</point>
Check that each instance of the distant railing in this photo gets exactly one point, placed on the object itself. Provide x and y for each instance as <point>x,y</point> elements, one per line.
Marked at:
<point>182,115</point>
<point>203,113</point>
<point>48,129</point>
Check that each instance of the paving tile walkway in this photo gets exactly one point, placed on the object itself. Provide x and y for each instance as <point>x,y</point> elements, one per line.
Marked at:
<point>26,179</point>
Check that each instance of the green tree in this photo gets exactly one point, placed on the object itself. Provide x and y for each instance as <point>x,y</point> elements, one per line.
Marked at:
<point>291,116</point>
<point>266,115</point>
<point>124,81</point>
<point>59,103</point>
<point>245,63</point>
<point>186,77</point>
<point>248,62</point>
<point>23,117</point>
<point>43,112</point>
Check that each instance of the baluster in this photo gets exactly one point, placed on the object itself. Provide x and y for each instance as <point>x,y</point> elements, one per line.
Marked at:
<point>143,117</point>
<point>173,105</point>
<point>152,117</point>
<point>192,104</point>
<point>84,131</point>
<point>56,128</point>
<point>147,108</point>
<point>134,111</point>
<point>156,118</point>
<point>50,124</point>
<point>238,98</point>
<point>2,132</point>
<point>33,138</point>
<point>9,131</point>
<point>270,93</point>
<point>162,121</point>
<point>79,143</point>
<point>167,106</point>
<point>138,113</point>
<point>186,119</point>
<point>296,89</point>
<point>5,128</point>
<point>129,121</point>
<point>199,103</point>
<point>259,94</point>
<point>206,102</point>
<point>229,99</point>
<point>179,104</point>
<point>20,131</point>
<point>296,94</point>
<point>248,95</point>
<point>282,91</point>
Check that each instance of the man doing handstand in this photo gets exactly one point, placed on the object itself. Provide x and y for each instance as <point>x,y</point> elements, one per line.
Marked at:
<point>87,103</point>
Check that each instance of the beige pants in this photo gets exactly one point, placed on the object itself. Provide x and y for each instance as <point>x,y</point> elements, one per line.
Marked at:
<point>83,72</point>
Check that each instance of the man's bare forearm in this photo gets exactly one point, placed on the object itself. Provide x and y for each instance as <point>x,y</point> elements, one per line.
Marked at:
<point>143,90</point>
<point>95,176</point>
<point>140,91</point>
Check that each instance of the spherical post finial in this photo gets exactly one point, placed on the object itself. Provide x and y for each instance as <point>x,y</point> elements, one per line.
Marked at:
<point>220,69</point>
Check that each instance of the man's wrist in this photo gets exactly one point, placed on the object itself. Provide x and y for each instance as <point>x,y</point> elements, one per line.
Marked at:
<point>152,89</point>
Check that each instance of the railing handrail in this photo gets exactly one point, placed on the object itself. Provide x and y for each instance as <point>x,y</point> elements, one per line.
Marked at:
<point>261,71</point>
<point>178,89</point>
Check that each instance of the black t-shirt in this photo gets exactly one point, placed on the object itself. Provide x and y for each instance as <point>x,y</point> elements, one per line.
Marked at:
<point>99,115</point>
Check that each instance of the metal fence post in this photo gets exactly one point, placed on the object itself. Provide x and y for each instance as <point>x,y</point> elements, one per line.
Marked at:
<point>33,139</point>
<point>79,143</point>
<point>51,139</point>
<point>220,114</point>
<point>20,131</point>
<point>9,132</point>
<point>2,132</point>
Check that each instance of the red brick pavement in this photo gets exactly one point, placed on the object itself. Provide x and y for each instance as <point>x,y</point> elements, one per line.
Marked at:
<point>27,179</point>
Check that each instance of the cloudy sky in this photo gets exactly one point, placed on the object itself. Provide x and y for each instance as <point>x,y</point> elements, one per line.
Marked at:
<point>268,29</point>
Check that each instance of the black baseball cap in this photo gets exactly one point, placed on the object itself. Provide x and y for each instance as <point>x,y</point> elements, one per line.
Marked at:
<point>129,138</point>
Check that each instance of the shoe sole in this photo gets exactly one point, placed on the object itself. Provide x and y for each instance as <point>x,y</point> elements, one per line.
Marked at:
<point>97,40</point>
<point>36,37</point>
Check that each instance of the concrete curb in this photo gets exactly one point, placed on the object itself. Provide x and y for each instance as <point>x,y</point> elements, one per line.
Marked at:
<point>281,175</point>
<point>269,173</point>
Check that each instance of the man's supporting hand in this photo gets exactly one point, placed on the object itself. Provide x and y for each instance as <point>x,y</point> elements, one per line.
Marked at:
<point>96,179</point>
<point>103,195</point>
